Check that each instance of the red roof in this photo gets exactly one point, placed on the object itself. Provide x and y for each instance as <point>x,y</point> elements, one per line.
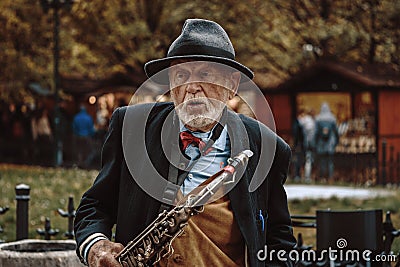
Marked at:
<point>376,75</point>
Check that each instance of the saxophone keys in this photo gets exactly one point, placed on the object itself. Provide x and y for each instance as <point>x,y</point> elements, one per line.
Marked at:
<point>155,239</point>
<point>180,232</point>
<point>141,251</point>
<point>169,250</point>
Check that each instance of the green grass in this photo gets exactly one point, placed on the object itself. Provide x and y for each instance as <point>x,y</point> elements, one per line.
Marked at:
<point>50,190</point>
<point>51,187</point>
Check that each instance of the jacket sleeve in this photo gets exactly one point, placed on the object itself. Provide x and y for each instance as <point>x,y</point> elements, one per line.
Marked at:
<point>97,210</point>
<point>279,225</point>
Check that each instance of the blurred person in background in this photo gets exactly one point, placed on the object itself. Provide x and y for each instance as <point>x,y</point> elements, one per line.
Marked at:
<point>42,136</point>
<point>326,140</point>
<point>297,149</point>
<point>83,130</point>
<point>307,123</point>
<point>18,144</point>
<point>101,124</point>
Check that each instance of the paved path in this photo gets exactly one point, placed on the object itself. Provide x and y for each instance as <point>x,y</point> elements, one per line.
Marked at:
<point>324,191</point>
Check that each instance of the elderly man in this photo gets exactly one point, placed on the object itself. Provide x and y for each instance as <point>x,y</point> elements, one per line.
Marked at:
<point>154,149</point>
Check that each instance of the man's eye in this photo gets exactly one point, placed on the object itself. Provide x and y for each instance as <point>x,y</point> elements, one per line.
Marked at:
<point>206,74</point>
<point>181,76</point>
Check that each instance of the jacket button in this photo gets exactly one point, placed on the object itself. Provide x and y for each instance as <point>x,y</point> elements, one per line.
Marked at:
<point>178,258</point>
<point>182,165</point>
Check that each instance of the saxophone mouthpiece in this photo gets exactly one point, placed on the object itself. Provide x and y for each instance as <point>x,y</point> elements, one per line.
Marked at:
<point>242,158</point>
<point>248,153</point>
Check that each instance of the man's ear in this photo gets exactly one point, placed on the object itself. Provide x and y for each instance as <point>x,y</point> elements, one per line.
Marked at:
<point>234,83</point>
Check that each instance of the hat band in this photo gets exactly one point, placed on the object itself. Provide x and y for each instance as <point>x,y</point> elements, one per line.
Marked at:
<point>200,50</point>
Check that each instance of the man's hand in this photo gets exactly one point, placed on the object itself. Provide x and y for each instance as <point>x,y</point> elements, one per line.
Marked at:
<point>102,254</point>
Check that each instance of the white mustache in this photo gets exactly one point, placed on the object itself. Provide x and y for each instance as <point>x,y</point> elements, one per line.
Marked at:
<point>197,101</point>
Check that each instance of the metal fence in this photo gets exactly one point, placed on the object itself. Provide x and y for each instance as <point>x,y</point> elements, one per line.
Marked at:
<point>364,169</point>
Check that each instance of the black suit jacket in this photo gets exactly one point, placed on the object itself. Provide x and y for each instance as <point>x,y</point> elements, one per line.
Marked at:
<point>116,198</point>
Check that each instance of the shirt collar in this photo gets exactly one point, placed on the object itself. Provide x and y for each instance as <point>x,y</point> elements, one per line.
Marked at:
<point>220,143</point>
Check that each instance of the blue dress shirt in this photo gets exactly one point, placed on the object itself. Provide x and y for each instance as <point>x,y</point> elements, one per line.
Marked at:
<point>207,165</point>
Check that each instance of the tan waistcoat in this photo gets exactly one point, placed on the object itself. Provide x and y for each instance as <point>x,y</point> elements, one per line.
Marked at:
<point>211,238</point>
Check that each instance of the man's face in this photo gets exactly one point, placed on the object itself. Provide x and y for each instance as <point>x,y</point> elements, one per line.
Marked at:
<point>200,91</point>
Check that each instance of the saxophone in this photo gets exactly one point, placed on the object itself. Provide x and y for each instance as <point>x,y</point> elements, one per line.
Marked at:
<point>155,242</point>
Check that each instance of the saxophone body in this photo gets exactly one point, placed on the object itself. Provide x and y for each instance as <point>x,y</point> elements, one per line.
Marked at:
<point>155,242</point>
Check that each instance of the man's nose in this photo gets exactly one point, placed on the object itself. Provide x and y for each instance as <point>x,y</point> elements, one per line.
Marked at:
<point>193,87</point>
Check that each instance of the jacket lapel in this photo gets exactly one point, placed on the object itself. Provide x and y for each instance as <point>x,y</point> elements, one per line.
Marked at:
<point>243,204</point>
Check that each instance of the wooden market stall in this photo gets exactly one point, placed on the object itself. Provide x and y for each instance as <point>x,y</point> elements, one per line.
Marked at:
<point>366,102</point>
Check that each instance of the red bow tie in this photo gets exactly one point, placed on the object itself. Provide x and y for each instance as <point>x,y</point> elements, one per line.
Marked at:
<point>187,139</point>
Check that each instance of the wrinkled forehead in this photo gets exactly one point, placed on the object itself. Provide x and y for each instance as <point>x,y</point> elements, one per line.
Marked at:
<point>193,65</point>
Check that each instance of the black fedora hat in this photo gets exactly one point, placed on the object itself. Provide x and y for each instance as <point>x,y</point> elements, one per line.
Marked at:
<point>201,40</point>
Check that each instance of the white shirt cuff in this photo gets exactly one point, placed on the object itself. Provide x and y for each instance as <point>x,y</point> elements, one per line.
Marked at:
<point>88,243</point>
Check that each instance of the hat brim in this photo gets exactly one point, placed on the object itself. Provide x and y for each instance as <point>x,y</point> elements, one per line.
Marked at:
<point>154,68</point>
